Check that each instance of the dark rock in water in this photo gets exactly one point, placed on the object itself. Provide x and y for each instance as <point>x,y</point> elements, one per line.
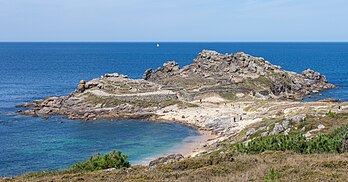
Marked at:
<point>28,112</point>
<point>328,100</point>
<point>166,160</point>
<point>27,105</point>
<point>45,117</point>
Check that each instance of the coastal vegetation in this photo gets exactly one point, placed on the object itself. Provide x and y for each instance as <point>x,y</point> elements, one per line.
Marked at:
<point>331,114</point>
<point>115,159</point>
<point>112,160</point>
<point>333,142</point>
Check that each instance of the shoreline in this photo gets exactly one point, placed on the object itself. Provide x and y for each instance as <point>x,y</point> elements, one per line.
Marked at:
<point>191,146</point>
<point>221,113</point>
<point>195,145</point>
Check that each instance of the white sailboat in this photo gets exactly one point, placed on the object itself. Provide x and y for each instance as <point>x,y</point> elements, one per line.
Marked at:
<point>158,45</point>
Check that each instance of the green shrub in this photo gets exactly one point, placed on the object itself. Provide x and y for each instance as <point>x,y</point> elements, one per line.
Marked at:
<point>229,96</point>
<point>331,114</point>
<point>191,105</point>
<point>272,175</point>
<point>329,143</point>
<point>296,142</point>
<point>98,162</point>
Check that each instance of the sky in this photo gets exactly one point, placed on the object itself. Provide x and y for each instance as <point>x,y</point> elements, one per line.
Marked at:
<point>173,20</point>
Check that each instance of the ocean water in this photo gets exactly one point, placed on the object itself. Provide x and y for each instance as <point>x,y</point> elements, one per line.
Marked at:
<point>31,71</point>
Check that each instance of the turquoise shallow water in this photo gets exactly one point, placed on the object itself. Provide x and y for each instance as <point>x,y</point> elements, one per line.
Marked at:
<point>31,144</point>
<point>31,71</point>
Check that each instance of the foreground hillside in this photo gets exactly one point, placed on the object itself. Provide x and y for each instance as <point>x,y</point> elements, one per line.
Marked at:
<point>283,166</point>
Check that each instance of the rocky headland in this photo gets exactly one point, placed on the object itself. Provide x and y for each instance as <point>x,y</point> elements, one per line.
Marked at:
<point>221,93</point>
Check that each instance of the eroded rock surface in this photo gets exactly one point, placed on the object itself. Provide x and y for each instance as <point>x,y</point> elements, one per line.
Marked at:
<point>212,72</point>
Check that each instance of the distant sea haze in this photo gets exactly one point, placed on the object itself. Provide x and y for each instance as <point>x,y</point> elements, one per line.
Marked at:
<point>31,71</point>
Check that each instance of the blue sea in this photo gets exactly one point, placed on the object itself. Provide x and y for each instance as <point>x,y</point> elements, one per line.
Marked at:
<point>31,71</point>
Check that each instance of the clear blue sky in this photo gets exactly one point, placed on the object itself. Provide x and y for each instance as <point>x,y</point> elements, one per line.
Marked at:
<point>175,20</point>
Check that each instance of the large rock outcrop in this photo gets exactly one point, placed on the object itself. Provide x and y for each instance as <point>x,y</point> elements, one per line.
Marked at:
<point>239,72</point>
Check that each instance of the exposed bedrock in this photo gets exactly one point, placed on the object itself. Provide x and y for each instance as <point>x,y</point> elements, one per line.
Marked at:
<point>231,76</point>
<point>239,72</point>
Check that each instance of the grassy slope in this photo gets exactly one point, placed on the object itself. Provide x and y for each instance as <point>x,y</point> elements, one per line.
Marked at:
<point>284,166</point>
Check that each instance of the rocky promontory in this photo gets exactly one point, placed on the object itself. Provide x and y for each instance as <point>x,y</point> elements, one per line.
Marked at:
<point>212,72</point>
<point>230,77</point>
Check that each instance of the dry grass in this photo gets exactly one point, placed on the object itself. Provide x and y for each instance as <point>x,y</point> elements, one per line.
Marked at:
<point>221,167</point>
<point>112,102</point>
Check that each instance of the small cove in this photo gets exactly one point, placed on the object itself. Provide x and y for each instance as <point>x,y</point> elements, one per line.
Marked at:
<point>33,144</point>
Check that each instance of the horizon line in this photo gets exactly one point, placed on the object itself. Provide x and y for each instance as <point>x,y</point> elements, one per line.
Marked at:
<point>173,41</point>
